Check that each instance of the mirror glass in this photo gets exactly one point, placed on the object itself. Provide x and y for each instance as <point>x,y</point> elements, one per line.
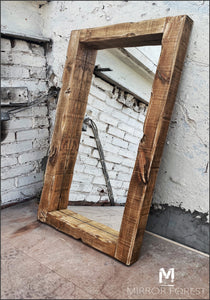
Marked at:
<point>112,129</point>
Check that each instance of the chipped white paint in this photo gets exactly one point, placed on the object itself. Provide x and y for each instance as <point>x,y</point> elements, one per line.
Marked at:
<point>183,177</point>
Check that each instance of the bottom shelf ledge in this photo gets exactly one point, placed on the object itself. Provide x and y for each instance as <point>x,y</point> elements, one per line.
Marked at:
<point>94,234</point>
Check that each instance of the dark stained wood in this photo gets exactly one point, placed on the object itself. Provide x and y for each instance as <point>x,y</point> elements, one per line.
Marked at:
<point>131,34</point>
<point>173,33</point>
<point>94,234</point>
<point>70,112</point>
<point>165,85</point>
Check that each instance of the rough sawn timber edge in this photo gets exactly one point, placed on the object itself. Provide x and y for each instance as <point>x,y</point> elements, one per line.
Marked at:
<point>173,33</point>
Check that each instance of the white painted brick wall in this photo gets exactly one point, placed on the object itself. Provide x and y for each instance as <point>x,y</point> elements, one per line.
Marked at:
<point>116,125</point>
<point>120,129</point>
<point>27,141</point>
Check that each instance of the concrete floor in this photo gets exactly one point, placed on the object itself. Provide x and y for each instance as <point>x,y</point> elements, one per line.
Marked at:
<point>38,262</point>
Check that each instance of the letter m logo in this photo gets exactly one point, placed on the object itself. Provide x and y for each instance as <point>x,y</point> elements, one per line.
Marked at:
<point>162,273</point>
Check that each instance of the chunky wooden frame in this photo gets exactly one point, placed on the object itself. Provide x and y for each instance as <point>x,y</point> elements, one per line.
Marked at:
<point>173,34</point>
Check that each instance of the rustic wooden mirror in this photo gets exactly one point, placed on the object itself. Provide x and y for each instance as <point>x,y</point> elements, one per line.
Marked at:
<point>173,34</point>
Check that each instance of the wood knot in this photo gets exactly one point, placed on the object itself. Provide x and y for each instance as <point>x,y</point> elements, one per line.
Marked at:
<point>53,155</point>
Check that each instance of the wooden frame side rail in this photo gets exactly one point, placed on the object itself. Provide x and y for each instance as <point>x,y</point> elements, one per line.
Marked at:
<point>173,34</point>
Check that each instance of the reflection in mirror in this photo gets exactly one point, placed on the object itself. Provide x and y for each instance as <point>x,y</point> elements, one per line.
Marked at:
<point>115,114</point>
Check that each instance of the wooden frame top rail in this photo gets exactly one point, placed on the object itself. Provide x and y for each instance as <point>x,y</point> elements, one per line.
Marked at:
<point>131,34</point>
<point>173,34</point>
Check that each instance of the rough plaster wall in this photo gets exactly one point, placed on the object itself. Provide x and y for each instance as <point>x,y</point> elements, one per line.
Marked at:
<point>183,177</point>
<point>23,64</point>
<point>22,17</point>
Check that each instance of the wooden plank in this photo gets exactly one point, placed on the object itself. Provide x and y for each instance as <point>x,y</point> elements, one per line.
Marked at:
<point>96,235</point>
<point>70,112</point>
<point>131,34</point>
<point>174,45</point>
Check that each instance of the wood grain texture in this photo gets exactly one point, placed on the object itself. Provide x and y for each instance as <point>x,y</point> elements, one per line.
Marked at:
<point>165,85</point>
<point>173,33</point>
<point>94,234</point>
<point>124,35</point>
<point>70,112</point>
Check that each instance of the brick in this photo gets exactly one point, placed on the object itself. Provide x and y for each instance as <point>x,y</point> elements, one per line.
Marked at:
<point>32,156</point>
<point>111,148</point>
<point>112,174</point>
<point>21,46</point>
<point>88,160</point>
<point>35,86</point>
<point>121,192</point>
<point>11,196</point>
<point>105,138</point>
<point>120,116</point>
<point>78,167</point>
<point>95,154</point>
<point>36,111</point>
<point>116,183</point>
<point>130,112</point>
<point>20,123</point>
<point>128,162</point>
<point>103,85</point>
<point>130,138</point>
<point>84,149</point>
<point>37,49</point>
<point>125,128</point>
<point>126,184</point>
<point>40,143</point>
<point>113,103</point>
<point>141,118</point>
<point>108,119</point>
<point>14,71</point>
<point>94,91</point>
<point>92,112</point>
<point>134,123</point>
<point>15,171</point>
<point>94,198</point>
<point>7,149</point>
<point>101,127</point>
<point>120,168</point>
<point>80,177</point>
<point>120,143</point>
<point>26,59</point>
<point>99,180</point>
<point>120,199</point>
<point>7,184</point>
<point>5,44</point>
<point>37,72</point>
<point>32,134</point>
<point>77,196</point>
<point>93,171</point>
<point>116,132</point>
<point>86,140</point>
<point>8,161</point>
<point>138,133</point>
<point>100,105</point>
<point>127,154</point>
<point>109,166</point>
<point>10,138</point>
<point>88,132</point>
<point>29,179</point>
<point>123,176</point>
<point>113,158</point>
<point>133,147</point>
<point>81,187</point>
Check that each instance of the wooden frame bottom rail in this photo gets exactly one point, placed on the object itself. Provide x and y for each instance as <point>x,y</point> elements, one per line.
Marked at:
<point>94,234</point>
